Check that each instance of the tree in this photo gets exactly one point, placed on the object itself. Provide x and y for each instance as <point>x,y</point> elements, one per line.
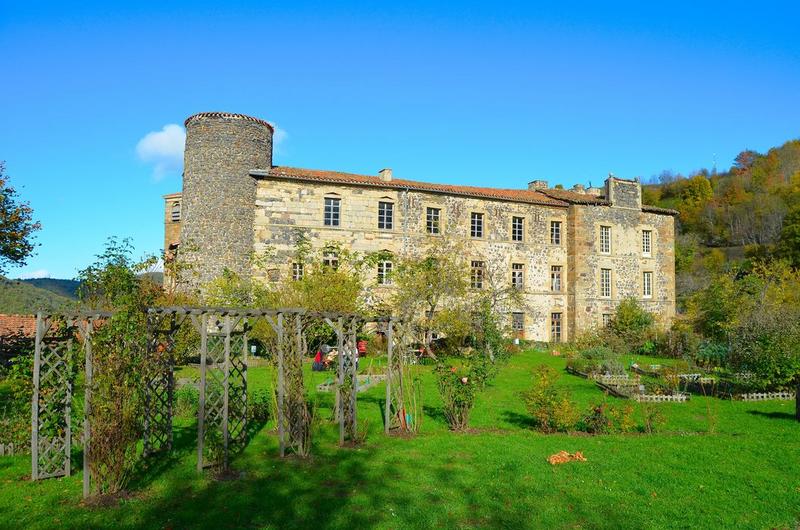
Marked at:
<point>17,226</point>
<point>789,244</point>
<point>427,283</point>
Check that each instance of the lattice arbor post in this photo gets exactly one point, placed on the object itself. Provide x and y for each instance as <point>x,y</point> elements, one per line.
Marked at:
<point>294,418</point>
<point>160,380</point>
<point>222,411</point>
<point>402,411</point>
<point>347,376</point>
<point>53,375</point>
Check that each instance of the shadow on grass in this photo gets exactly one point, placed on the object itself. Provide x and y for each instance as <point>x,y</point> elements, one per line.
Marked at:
<point>774,415</point>
<point>520,420</point>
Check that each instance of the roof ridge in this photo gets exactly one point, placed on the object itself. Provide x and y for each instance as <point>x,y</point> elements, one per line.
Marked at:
<point>509,194</point>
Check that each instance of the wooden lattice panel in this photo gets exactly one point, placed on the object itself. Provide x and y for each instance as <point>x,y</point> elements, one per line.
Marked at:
<point>51,426</point>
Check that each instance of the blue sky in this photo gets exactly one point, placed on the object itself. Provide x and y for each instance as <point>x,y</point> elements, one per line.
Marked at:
<point>470,93</point>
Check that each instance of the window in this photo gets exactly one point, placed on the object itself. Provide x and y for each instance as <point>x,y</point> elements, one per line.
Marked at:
<point>555,327</point>
<point>332,210</point>
<point>517,228</point>
<point>476,275</point>
<point>555,232</point>
<point>605,239</point>
<point>647,284</point>
<point>433,220</point>
<point>647,242</point>
<point>476,225</point>
<point>555,278</point>
<point>175,212</point>
<point>606,319</point>
<point>384,272</point>
<point>517,321</point>
<point>385,215</point>
<point>605,283</point>
<point>297,271</point>
<point>517,275</point>
<point>330,259</point>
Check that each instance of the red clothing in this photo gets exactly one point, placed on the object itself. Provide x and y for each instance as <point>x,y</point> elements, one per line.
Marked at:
<point>318,357</point>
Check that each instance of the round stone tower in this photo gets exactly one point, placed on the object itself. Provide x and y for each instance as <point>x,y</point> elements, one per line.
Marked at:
<point>219,195</point>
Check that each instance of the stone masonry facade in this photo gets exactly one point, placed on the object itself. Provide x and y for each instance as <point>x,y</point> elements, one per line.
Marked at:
<point>574,254</point>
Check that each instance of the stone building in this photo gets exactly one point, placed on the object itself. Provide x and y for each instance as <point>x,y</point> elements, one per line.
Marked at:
<point>575,254</point>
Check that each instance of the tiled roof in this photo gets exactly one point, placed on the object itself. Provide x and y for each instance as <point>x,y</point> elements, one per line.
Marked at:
<point>17,325</point>
<point>315,175</point>
<point>574,197</point>
<point>658,209</point>
<point>227,115</point>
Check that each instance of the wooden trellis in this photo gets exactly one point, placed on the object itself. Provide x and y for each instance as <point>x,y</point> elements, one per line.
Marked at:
<point>222,412</point>
<point>51,424</point>
<point>401,404</point>
<point>160,387</point>
<point>346,328</point>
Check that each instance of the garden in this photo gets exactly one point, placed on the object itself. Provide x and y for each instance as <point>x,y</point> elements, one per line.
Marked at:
<point>221,414</point>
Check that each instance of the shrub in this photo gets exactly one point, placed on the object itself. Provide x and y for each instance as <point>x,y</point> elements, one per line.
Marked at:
<point>259,406</point>
<point>608,419</point>
<point>457,388</point>
<point>711,354</point>
<point>551,410</point>
<point>186,401</point>
<point>680,341</point>
<point>632,324</point>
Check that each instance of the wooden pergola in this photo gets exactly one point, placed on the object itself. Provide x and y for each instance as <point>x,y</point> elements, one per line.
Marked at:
<point>222,407</point>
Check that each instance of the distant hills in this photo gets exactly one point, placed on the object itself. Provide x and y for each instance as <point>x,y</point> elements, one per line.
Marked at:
<point>67,288</point>
<point>26,298</point>
<point>43,294</point>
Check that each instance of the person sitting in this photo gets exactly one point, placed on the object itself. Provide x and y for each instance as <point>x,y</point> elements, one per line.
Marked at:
<point>319,364</point>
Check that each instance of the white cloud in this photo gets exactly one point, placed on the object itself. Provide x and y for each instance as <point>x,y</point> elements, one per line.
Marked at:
<point>163,149</point>
<point>278,139</point>
<point>41,273</point>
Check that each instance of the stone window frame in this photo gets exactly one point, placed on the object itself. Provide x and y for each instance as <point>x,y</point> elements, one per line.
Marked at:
<point>562,232</point>
<point>521,230</point>
<point>600,239</point>
<point>483,217</point>
<point>332,196</point>
<point>642,230</point>
<point>440,207</point>
<point>385,268</point>
<point>647,284</point>
<point>390,202</point>
<point>330,259</point>
<point>175,212</point>
<point>298,270</point>
<point>600,290</point>
<point>606,319</point>
<point>556,326</point>
<point>521,270</point>
<point>560,277</point>
<point>518,322</point>
<point>477,274</point>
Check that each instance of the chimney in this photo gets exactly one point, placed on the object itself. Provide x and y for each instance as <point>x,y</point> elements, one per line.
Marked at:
<point>579,188</point>
<point>385,174</point>
<point>537,185</point>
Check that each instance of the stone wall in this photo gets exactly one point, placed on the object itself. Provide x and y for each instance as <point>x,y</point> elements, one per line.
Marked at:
<point>284,206</point>
<point>218,193</point>
<point>626,261</point>
<point>172,228</point>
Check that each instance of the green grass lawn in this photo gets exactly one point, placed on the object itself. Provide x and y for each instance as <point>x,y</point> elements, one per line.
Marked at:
<point>746,475</point>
